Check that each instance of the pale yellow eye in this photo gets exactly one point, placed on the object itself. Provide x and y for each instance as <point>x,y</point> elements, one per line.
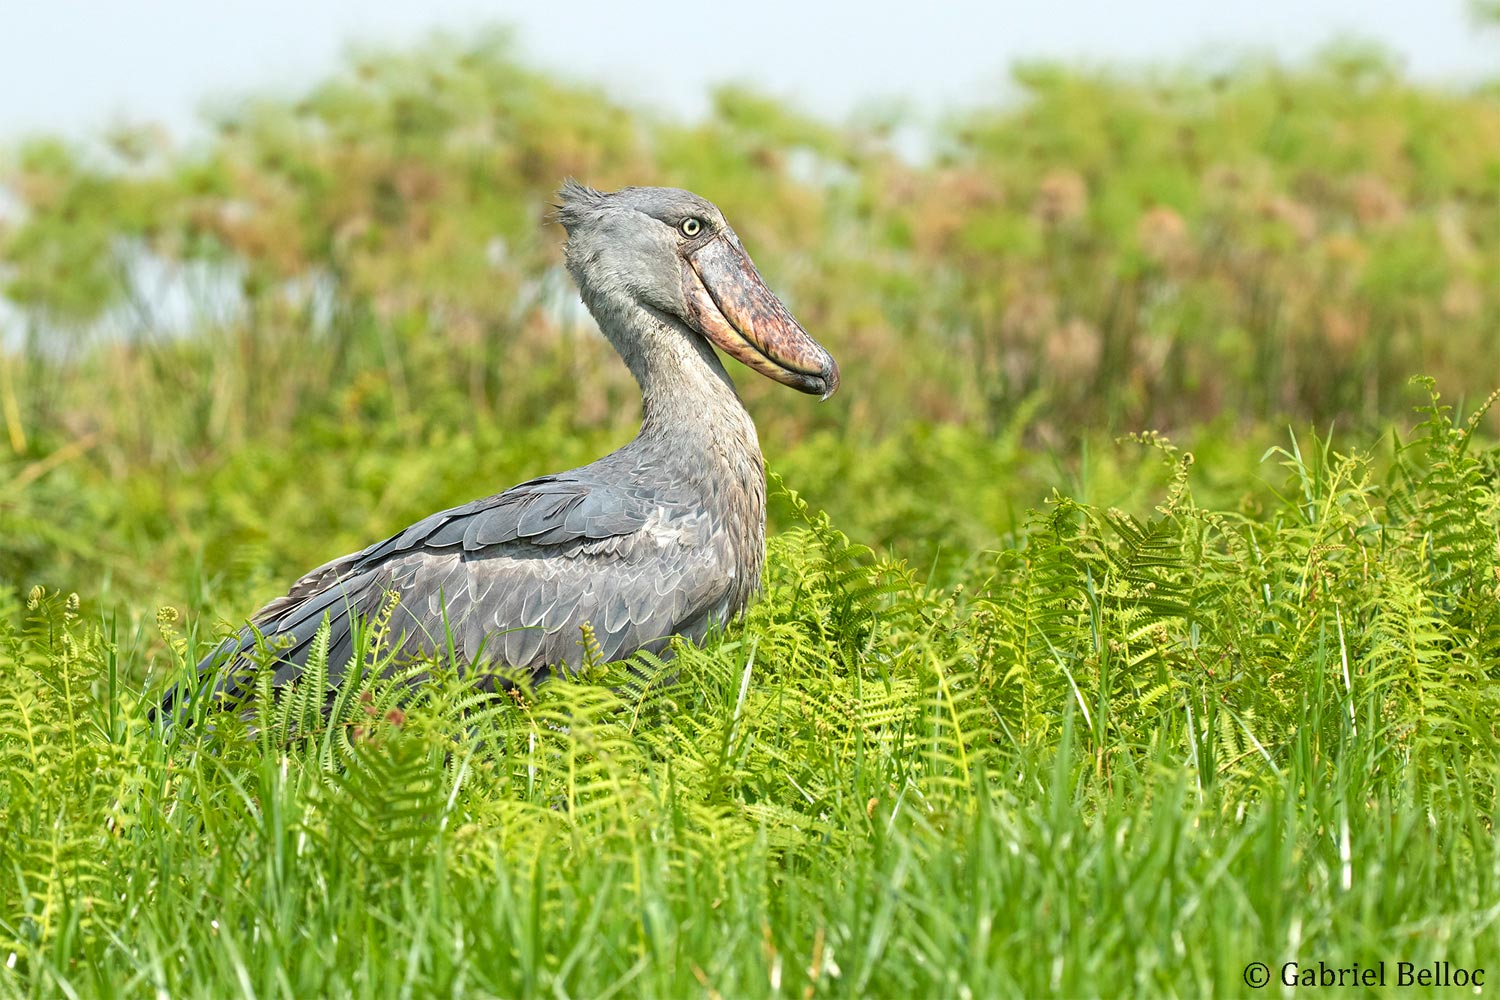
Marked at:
<point>691,227</point>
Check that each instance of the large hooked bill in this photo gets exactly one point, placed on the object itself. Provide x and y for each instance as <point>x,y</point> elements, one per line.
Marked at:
<point>728,302</point>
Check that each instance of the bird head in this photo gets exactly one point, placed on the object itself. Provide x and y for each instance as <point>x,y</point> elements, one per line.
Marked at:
<point>673,252</point>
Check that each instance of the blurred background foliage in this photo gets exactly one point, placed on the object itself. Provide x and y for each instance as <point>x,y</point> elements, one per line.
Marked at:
<point>353,300</point>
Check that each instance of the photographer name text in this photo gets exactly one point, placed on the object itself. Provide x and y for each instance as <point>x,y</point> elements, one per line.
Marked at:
<point>1357,975</point>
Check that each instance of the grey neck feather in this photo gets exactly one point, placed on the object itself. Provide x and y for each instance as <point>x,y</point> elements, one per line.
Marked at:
<point>687,399</point>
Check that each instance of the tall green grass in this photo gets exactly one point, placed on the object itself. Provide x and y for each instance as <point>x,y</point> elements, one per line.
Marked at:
<point>1129,752</point>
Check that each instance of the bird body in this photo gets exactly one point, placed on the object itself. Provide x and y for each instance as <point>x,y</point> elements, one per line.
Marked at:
<point>663,537</point>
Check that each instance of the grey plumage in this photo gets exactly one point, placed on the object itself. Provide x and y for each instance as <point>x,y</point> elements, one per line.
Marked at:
<point>663,537</point>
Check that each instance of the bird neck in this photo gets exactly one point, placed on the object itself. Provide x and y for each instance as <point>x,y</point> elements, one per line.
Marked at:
<point>687,398</point>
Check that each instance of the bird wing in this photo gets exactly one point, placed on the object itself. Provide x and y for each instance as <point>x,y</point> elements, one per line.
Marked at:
<point>512,578</point>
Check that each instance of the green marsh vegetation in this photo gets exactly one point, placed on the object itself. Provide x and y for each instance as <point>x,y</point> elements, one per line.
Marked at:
<point>1036,700</point>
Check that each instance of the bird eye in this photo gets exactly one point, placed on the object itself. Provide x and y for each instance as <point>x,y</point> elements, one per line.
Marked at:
<point>691,227</point>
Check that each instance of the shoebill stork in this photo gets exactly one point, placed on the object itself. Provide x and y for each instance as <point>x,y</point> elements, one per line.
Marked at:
<point>662,538</point>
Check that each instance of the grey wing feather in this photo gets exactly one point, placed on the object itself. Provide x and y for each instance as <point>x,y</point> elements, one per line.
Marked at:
<point>515,576</point>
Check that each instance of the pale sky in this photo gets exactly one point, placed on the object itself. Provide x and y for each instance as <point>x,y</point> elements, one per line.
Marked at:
<point>75,66</point>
